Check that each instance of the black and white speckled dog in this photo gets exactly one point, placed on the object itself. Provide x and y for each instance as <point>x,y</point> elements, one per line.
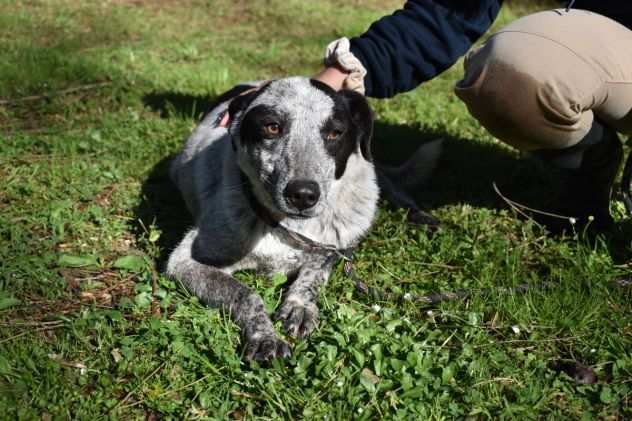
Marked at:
<point>295,158</point>
<point>292,167</point>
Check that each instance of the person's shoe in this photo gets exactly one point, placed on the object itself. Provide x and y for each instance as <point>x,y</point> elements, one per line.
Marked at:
<point>586,190</point>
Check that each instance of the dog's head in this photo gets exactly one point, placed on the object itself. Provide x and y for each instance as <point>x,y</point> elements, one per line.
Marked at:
<point>294,138</point>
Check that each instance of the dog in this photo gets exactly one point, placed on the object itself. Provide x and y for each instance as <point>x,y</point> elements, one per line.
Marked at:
<point>286,186</point>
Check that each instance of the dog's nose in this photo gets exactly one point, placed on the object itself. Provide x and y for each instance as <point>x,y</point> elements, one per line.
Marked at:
<point>302,194</point>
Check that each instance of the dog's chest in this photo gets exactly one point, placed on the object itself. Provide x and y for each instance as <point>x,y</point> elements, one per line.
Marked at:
<point>272,254</point>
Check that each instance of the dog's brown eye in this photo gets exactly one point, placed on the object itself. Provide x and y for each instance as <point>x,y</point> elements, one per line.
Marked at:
<point>333,135</point>
<point>272,129</point>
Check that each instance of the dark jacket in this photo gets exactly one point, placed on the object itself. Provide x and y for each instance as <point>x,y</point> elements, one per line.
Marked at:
<point>426,37</point>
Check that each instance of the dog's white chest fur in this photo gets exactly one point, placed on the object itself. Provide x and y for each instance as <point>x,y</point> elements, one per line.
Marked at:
<point>273,255</point>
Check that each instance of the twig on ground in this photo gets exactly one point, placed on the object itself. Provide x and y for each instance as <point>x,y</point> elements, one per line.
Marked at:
<point>26,332</point>
<point>518,207</point>
<point>61,92</point>
<point>498,379</point>
<point>155,305</point>
<point>31,158</point>
<point>70,364</point>
<point>245,395</point>
<point>513,341</point>
<point>25,323</point>
<point>440,265</point>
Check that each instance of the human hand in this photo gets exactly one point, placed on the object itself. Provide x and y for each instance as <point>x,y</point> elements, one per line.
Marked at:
<point>333,77</point>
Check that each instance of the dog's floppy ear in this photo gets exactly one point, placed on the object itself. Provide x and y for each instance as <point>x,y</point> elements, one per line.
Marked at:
<point>244,98</point>
<point>241,102</point>
<point>237,105</point>
<point>362,116</point>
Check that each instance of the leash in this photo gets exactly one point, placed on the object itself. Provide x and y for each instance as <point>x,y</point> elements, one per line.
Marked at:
<point>437,297</point>
<point>303,242</point>
<point>626,196</point>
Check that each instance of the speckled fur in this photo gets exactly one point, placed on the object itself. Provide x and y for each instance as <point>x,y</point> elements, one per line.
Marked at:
<point>229,235</point>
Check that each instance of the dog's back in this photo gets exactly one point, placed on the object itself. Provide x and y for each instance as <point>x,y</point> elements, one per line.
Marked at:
<point>197,169</point>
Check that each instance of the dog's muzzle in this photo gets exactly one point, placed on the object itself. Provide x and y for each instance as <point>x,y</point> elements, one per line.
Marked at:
<point>302,194</point>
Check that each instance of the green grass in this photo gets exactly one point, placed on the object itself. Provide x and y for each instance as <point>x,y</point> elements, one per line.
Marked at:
<point>87,215</point>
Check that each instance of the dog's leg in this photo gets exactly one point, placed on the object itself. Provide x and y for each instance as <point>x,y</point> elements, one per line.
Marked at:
<point>299,311</point>
<point>218,289</point>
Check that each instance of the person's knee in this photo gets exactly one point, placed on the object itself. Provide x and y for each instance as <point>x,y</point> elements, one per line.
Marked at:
<point>510,87</point>
<point>496,92</point>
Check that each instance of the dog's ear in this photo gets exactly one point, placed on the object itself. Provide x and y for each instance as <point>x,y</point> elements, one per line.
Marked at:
<point>362,117</point>
<point>241,102</point>
<point>245,97</point>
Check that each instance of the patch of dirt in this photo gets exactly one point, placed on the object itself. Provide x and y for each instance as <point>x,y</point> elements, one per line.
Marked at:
<point>103,287</point>
<point>99,288</point>
<point>102,198</point>
<point>122,245</point>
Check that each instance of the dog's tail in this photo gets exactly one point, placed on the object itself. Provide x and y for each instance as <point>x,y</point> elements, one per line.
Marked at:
<point>398,184</point>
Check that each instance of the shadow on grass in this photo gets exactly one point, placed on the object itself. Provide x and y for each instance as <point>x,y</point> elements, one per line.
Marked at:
<point>619,243</point>
<point>467,169</point>
<point>163,206</point>
<point>178,105</point>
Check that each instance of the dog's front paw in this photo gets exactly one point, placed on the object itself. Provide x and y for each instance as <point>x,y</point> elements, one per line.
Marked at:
<point>299,317</point>
<point>263,347</point>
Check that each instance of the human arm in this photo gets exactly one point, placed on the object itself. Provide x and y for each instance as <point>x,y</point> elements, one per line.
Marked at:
<point>418,42</point>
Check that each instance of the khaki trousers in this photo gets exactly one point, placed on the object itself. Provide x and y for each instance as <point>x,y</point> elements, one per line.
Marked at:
<point>539,82</point>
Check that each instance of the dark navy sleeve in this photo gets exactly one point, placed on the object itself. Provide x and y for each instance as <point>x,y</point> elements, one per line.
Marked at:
<point>420,41</point>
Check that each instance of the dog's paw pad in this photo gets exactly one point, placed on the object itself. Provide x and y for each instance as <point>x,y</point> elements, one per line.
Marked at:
<point>299,318</point>
<point>265,347</point>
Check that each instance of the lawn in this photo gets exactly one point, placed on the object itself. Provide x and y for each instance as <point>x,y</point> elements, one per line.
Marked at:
<point>97,96</point>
